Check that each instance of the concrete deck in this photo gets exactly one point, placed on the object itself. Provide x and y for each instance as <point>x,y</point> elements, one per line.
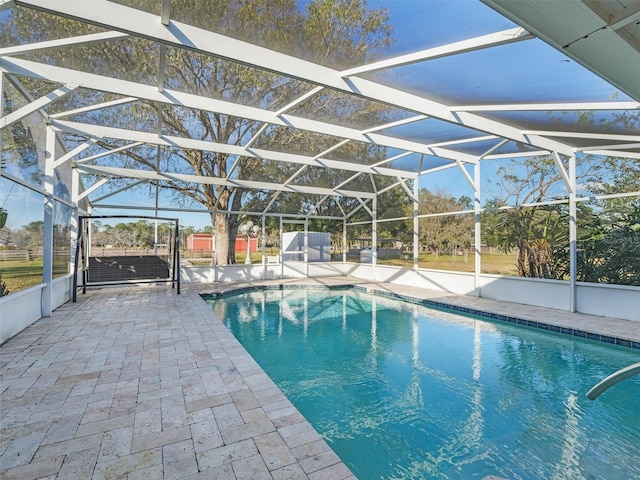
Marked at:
<point>138,382</point>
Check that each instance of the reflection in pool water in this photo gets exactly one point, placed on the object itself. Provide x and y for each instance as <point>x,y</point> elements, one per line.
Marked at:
<point>403,391</point>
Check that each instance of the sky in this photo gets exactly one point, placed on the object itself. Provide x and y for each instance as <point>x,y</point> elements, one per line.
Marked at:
<point>420,24</point>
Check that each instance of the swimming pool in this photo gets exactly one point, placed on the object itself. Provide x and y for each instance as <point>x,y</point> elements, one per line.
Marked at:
<point>403,391</point>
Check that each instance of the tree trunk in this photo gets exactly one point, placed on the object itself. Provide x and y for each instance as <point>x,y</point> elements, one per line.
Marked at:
<point>225,227</point>
<point>221,229</point>
<point>233,221</point>
<point>232,225</point>
<point>522,259</point>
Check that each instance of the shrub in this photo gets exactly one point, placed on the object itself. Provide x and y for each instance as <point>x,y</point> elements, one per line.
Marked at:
<point>3,287</point>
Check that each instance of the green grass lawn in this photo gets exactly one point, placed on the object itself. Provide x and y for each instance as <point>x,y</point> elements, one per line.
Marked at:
<point>21,274</point>
<point>496,263</point>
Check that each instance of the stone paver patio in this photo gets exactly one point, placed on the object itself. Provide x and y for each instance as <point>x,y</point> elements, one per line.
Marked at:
<point>138,382</point>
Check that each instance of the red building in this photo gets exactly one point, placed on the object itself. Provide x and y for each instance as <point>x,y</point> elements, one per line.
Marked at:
<point>200,241</point>
<point>205,242</point>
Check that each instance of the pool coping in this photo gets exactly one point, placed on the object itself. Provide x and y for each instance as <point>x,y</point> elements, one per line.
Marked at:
<point>447,306</point>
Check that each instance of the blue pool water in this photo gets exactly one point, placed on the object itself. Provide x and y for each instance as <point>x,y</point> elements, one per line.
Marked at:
<point>401,391</point>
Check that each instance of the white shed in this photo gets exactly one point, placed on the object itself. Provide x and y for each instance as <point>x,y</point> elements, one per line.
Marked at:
<point>319,246</point>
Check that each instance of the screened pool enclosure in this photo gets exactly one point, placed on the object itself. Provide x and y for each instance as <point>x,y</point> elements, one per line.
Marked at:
<point>490,148</point>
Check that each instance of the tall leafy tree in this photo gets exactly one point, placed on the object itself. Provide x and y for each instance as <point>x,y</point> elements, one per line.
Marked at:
<point>443,233</point>
<point>539,235</point>
<point>608,229</point>
<point>609,244</point>
<point>336,33</point>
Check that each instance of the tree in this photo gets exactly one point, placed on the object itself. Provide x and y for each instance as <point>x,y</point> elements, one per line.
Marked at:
<point>165,232</point>
<point>444,232</point>
<point>608,229</point>
<point>539,235</point>
<point>185,232</point>
<point>332,32</point>
<point>609,245</point>
<point>123,236</point>
<point>30,236</point>
<point>143,233</point>
<point>607,241</point>
<point>19,148</point>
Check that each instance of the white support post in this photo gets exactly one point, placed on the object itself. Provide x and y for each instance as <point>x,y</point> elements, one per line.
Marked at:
<point>214,263</point>
<point>1,101</point>
<point>573,235</point>
<point>344,241</point>
<point>47,239</point>
<point>477,229</point>
<point>281,252</point>
<point>416,224</point>
<point>165,12</point>
<point>89,239</point>
<point>374,236</point>
<point>157,201</point>
<point>75,194</point>
<point>263,239</point>
<point>306,247</point>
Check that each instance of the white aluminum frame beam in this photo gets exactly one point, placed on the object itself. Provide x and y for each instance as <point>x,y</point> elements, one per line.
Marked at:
<point>629,13</point>
<point>621,146</point>
<point>162,65</point>
<point>165,12</point>
<point>493,149</point>
<point>349,180</point>
<point>463,141</point>
<point>590,135</point>
<point>468,177</point>
<point>171,97</point>
<point>76,151</point>
<point>233,168</point>
<point>437,169</point>
<point>547,107</point>
<point>365,206</point>
<point>6,4</point>
<point>299,100</point>
<point>405,121</point>
<point>114,192</point>
<point>568,182</point>
<point>389,187</point>
<point>93,188</point>
<point>255,137</point>
<point>186,143</point>
<point>393,159</point>
<point>504,37</point>
<point>531,153</point>
<point>295,175</point>
<point>274,197</point>
<point>63,42</point>
<point>108,152</point>
<point>607,153</point>
<point>149,175</point>
<point>36,105</point>
<point>406,189</point>
<point>200,210</point>
<point>91,108</point>
<point>146,25</point>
